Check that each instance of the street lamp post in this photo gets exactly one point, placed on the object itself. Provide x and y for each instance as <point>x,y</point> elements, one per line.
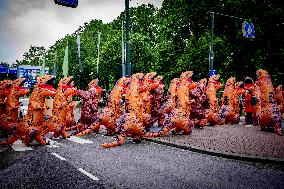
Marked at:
<point>211,53</point>
<point>128,65</point>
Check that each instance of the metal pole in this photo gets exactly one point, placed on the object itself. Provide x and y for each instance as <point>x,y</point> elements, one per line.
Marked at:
<point>211,44</point>
<point>122,51</point>
<point>128,66</point>
<point>98,59</point>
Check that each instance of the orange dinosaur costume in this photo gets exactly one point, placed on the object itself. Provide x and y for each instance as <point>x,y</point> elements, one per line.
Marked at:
<point>230,110</point>
<point>9,119</point>
<point>270,115</point>
<point>57,123</point>
<point>170,100</point>
<point>149,86</point>
<point>4,89</point>
<point>71,105</point>
<point>31,126</point>
<point>178,118</point>
<point>131,123</point>
<point>213,86</point>
<point>113,110</point>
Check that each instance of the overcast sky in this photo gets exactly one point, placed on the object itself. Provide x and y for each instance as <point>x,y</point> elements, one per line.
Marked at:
<point>41,22</point>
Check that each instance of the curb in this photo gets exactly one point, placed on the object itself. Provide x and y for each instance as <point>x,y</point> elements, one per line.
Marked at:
<point>241,157</point>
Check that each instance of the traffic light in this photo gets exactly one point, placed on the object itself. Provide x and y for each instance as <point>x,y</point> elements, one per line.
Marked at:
<point>67,3</point>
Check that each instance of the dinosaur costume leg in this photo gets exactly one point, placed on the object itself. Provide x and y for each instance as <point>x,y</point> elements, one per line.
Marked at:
<point>119,141</point>
<point>168,126</point>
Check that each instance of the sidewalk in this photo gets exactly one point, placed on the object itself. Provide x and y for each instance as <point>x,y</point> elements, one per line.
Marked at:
<point>230,141</point>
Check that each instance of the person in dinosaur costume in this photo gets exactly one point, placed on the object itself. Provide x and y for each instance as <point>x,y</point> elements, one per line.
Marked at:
<point>279,98</point>
<point>90,100</point>
<point>230,111</point>
<point>198,113</point>
<point>270,115</point>
<point>157,113</point>
<point>131,122</point>
<point>150,85</point>
<point>9,119</point>
<point>113,110</point>
<point>71,105</point>
<point>31,126</point>
<point>57,122</point>
<point>4,89</point>
<point>170,100</point>
<point>213,86</point>
<point>179,117</point>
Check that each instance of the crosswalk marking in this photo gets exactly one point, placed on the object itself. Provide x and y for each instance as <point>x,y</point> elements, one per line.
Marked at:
<point>58,156</point>
<point>79,140</point>
<point>18,146</point>
<point>89,174</point>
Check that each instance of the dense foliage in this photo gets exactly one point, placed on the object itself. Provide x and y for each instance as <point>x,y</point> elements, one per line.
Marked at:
<point>174,39</point>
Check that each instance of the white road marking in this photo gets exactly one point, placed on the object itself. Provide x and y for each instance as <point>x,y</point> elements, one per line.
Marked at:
<point>53,144</point>
<point>18,146</point>
<point>88,174</point>
<point>79,140</point>
<point>58,156</point>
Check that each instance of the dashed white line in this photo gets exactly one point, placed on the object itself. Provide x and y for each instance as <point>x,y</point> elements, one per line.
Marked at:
<point>58,156</point>
<point>88,174</point>
<point>79,140</point>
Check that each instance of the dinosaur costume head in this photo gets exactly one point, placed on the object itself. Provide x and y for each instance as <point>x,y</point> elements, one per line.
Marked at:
<point>261,74</point>
<point>137,77</point>
<point>231,81</point>
<point>121,85</point>
<point>187,75</point>
<point>44,85</point>
<point>67,85</point>
<point>149,81</point>
<point>18,89</point>
<point>214,79</point>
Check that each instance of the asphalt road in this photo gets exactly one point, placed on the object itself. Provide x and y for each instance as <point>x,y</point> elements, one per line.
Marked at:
<point>84,164</point>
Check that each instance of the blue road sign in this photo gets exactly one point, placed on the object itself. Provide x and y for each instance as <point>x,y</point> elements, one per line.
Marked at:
<point>212,72</point>
<point>248,30</point>
<point>67,3</point>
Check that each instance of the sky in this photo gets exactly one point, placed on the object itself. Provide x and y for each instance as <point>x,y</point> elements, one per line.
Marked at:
<point>42,22</point>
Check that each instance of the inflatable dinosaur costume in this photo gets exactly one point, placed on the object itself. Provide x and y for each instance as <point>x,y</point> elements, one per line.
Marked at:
<point>9,119</point>
<point>57,123</point>
<point>270,115</point>
<point>4,89</point>
<point>199,106</point>
<point>157,113</point>
<point>113,110</point>
<point>31,126</point>
<point>230,108</point>
<point>149,86</point>
<point>90,100</point>
<point>213,86</point>
<point>131,123</point>
<point>71,105</point>
<point>178,118</point>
